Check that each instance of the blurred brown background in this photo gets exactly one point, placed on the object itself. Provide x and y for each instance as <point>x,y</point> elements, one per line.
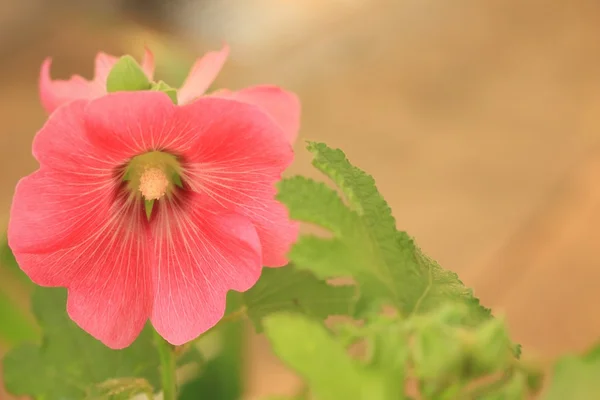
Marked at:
<point>479,120</point>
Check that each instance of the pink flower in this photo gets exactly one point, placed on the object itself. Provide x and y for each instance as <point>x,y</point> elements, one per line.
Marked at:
<point>208,168</point>
<point>282,106</point>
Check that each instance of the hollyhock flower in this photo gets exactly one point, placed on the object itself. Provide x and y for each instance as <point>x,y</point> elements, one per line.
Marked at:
<point>282,106</point>
<point>145,209</point>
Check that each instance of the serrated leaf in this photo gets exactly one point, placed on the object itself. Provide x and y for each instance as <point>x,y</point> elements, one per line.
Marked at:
<point>288,289</point>
<point>387,264</point>
<point>308,348</point>
<point>70,364</point>
<point>127,75</point>
<point>576,377</point>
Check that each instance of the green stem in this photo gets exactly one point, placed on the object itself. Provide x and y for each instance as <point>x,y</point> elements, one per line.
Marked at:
<point>166,352</point>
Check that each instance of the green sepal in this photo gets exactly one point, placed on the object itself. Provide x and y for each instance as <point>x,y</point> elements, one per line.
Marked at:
<point>127,75</point>
<point>176,179</point>
<point>148,205</point>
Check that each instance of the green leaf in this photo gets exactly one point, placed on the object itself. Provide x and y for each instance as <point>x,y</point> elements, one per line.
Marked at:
<point>288,289</point>
<point>161,86</point>
<point>70,364</point>
<point>127,75</point>
<point>308,348</point>
<point>576,377</point>
<point>386,263</point>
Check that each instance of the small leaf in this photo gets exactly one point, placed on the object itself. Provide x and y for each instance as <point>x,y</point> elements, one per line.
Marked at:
<point>437,352</point>
<point>288,289</point>
<point>127,75</point>
<point>161,86</point>
<point>310,350</point>
<point>70,364</point>
<point>492,347</point>
<point>576,377</point>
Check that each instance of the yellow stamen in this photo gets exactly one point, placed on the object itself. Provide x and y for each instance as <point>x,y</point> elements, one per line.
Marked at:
<point>153,183</point>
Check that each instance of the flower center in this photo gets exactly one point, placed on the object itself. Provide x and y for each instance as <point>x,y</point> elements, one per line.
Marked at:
<point>152,175</point>
<point>153,183</point>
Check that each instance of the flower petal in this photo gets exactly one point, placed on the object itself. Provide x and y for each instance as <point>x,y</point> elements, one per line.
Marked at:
<point>202,74</point>
<point>148,63</point>
<point>107,274</point>
<point>54,93</point>
<point>111,297</point>
<point>71,193</point>
<point>199,257</point>
<point>125,124</point>
<point>279,104</point>
<point>238,156</point>
<point>103,64</point>
<point>276,231</point>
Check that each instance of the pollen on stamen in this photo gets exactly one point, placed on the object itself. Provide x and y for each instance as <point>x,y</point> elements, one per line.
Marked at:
<point>153,183</point>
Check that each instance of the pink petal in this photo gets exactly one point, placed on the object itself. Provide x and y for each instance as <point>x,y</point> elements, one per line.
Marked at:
<point>202,74</point>
<point>111,298</point>
<point>148,63</point>
<point>103,64</point>
<point>107,273</point>
<point>276,231</point>
<point>54,93</point>
<point>125,124</point>
<point>70,194</point>
<point>238,156</point>
<point>279,104</point>
<point>199,256</point>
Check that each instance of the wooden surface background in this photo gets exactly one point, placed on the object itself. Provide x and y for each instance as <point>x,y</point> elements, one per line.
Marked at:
<point>479,120</point>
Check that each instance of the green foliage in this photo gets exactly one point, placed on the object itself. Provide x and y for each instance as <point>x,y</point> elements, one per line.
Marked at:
<point>387,265</point>
<point>288,289</point>
<point>441,338</point>
<point>70,364</point>
<point>576,377</point>
<point>127,75</point>
<point>309,349</point>
<point>436,352</point>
